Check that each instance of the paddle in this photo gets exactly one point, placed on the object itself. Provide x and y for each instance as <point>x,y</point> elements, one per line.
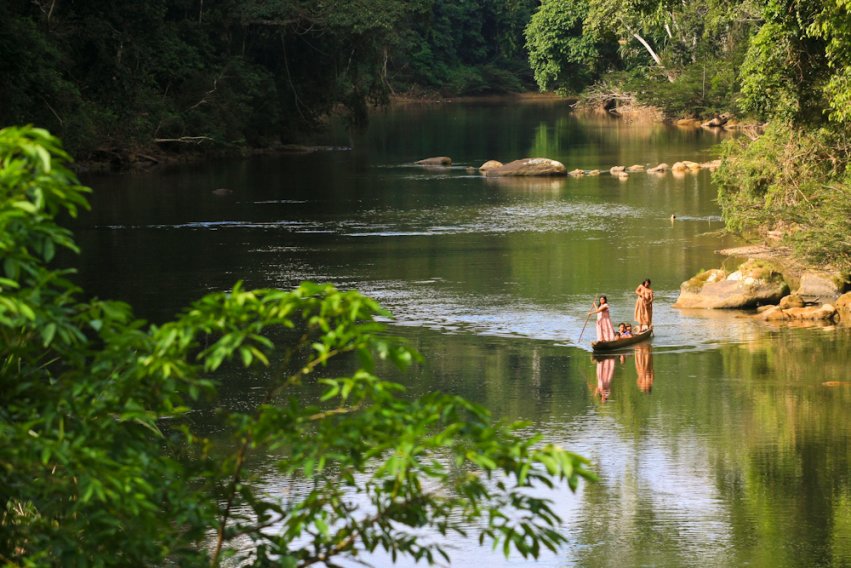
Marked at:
<point>586,322</point>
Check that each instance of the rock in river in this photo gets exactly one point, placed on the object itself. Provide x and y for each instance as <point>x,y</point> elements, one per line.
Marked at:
<point>755,283</point>
<point>490,165</point>
<point>843,307</point>
<point>530,167</point>
<point>820,287</point>
<point>436,161</point>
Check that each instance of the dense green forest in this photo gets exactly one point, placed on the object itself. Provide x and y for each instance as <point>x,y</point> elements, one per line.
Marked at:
<point>125,74</point>
<point>784,65</point>
<point>176,75</point>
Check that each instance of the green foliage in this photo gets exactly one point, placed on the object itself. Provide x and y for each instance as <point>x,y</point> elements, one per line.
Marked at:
<point>832,24</point>
<point>777,76</point>
<point>124,75</point>
<point>794,181</point>
<point>97,445</point>
<point>703,88</point>
<point>467,47</point>
<point>563,55</point>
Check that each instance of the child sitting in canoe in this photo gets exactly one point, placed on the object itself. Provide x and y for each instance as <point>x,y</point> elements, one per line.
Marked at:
<point>625,330</point>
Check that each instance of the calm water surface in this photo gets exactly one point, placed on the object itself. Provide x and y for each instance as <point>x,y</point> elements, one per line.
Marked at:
<point>718,444</point>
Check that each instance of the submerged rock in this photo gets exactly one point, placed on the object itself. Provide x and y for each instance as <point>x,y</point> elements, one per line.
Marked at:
<point>635,168</point>
<point>577,172</point>
<point>659,169</point>
<point>530,167</point>
<point>436,161</point>
<point>816,313</point>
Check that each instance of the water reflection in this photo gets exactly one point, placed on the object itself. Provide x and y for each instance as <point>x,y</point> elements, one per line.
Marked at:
<point>605,371</point>
<point>606,365</point>
<point>644,367</point>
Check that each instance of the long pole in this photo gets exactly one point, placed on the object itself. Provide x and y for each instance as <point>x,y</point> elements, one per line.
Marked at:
<point>586,323</point>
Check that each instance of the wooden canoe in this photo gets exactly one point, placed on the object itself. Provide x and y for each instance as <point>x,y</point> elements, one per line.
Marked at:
<point>622,342</point>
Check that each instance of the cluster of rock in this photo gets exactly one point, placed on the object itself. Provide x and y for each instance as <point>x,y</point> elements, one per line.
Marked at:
<point>760,284</point>
<point>547,167</point>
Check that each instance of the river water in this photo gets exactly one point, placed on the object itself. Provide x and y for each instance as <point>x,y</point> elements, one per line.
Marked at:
<point>723,442</point>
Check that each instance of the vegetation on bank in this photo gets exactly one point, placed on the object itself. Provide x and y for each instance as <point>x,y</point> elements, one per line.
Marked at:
<point>785,63</point>
<point>101,421</point>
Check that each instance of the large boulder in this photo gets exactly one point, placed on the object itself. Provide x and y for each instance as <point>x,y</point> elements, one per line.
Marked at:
<point>679,167</point>
<point>820,287</point>
<point>755,283</point>
<point>530,167</point>
<point>436,161</point>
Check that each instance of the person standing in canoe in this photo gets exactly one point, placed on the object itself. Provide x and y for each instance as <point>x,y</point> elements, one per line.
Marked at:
<point>605,331</point>
<point>644,306</point>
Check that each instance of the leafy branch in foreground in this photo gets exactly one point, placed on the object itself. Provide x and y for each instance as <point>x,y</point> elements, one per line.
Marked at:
<point>97,444</point>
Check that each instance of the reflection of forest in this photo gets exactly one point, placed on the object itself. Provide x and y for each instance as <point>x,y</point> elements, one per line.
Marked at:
<point>791,455</point>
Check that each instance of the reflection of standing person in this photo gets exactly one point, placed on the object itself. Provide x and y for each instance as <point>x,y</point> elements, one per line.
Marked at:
<point>644,306</point>
<point>605,371</point>
<point>644,367</point>
<point>605,331</point>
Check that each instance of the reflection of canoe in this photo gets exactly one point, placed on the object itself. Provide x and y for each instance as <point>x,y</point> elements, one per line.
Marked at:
<point>622,342</point>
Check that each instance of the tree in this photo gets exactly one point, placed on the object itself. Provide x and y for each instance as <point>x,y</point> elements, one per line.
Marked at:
<point>97,445</point>
<point>563,53</point>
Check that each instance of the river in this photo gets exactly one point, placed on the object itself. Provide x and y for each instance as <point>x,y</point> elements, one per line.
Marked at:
<point>723,442</point>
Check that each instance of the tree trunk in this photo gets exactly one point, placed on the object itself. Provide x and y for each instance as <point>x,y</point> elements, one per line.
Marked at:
<point>653,54</point>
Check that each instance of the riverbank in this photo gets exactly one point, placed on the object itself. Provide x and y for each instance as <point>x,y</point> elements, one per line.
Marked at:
<point>189,150</point>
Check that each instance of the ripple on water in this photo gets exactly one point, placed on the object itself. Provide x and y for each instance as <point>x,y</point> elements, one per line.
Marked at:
<point>542,217</point>
<point>439,305</point>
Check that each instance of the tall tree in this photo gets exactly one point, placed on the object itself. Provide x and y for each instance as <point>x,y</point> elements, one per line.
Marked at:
<point>563,53</point>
